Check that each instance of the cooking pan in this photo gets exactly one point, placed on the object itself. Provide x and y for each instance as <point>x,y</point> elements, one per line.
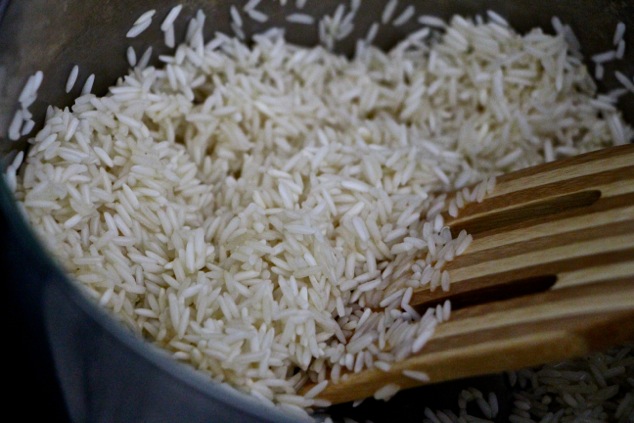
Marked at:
<point>67,356</point>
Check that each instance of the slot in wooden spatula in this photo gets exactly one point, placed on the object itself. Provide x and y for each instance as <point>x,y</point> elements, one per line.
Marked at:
<point>548,276</point>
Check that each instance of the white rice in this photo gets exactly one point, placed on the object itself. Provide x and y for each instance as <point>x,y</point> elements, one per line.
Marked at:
<point>388,11</point>
<point>619,31</point>
<point>251,4</point>
<point>432,21</point>
<point>27,127</point>
<point>145,58</point>
<point>72,78</point>
<point>87,87</point>
<point>372,32</point>
<point>16,125</point>
<point>497,18</point>
<point>604,57</point>
<point>300,18</point>
<point>416,375</point>
<point>237,30</point>
<point>594,388</point>
<point>257,15</point>
<point>558,26</point>
<point>169,37</point>
<point>493,404</point>
<point>315,390</point>
<point>599,71</point>
<point>140,25</point>
<point>625,81</point>
<point>38,77</point>
<point>620,49</point>
<point>131,56</point>
<point>405,16</point>
<point>170,18</point>
<point>257,234</point>
<point>386,392</point>
<point>28,94</point>
<point>235,16</point>
<point>145,16</point>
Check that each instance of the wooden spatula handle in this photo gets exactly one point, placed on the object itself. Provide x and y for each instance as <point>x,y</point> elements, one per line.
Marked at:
<point>566,216</point>
<point>510,335</point>
<point>557,240</point>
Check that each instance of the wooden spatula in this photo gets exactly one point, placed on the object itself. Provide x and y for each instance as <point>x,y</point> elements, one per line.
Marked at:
<point>548,276</point>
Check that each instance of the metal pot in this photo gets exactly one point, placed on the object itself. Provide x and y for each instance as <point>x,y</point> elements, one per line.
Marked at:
<point>71,356</point>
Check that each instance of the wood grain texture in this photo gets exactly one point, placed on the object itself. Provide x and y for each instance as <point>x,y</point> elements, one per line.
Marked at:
<point>548,276</point>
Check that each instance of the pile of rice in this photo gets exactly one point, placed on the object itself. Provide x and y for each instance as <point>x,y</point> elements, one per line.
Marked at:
<point>597,388</point>
<point>265,212</point>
